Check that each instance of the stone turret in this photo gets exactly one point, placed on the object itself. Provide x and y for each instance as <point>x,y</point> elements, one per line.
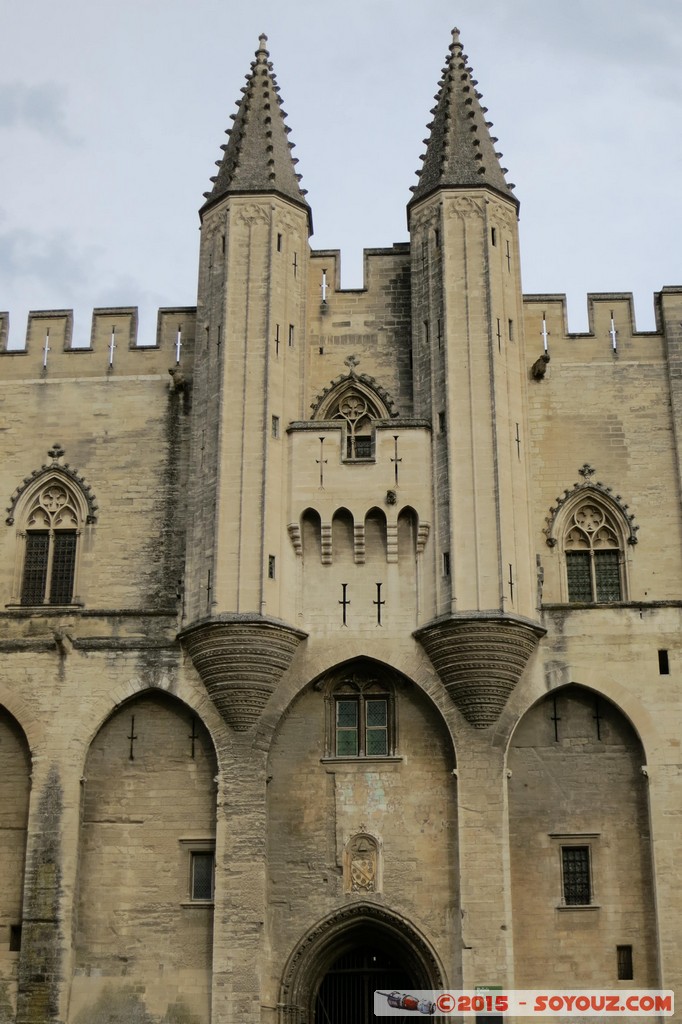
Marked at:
<point>460,151</point>
<point>248,380</point>
<point>257,158</point>
<point>470,379</point>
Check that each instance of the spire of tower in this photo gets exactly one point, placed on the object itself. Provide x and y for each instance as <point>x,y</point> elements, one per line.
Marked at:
<point>257,157</point>
<point>460,151</point>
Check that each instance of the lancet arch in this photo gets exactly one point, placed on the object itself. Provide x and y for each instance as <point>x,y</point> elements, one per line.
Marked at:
<point>355,742</point>
<point>147,839</point>
<point>579,840</point>
<point>360,926</point>
<point>15,788</point>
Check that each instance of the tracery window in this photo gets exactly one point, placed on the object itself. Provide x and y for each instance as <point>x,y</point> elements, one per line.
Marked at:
<point>594,555</point>
<point>52,525</point>
<point>354,409</point>
<point>357,403</point>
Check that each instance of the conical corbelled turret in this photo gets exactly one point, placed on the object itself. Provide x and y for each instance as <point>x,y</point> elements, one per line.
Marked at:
<point>258,157</point>
<point>460,151</point>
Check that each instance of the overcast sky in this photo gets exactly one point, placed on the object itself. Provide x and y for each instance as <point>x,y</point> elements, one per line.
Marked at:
<point>112,113</point>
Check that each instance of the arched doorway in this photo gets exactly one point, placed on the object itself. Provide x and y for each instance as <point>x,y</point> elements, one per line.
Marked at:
<point>347,989</point>
<point>332,974</point>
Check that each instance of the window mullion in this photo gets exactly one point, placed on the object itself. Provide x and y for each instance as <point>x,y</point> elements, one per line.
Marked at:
<point>362,711</point>
<point>593,575</point>
<point>50,559</point>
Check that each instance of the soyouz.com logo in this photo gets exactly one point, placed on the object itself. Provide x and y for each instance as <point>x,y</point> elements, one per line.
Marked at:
<point>527,1003</point>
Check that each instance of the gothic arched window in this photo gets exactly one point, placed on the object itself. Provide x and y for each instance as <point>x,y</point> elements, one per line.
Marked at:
<point>593,550</point>
<point>355,411</point>
<point>50,525</point>
<point>357,404</point>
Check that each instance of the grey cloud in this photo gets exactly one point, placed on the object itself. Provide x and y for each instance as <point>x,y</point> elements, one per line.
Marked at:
<point>52,260</point>
<point>39,107</point>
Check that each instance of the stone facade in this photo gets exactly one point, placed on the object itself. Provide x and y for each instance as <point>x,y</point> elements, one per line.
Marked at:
<point>356,633</point>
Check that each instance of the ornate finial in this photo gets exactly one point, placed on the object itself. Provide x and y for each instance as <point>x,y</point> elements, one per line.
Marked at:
<point>455,37</point>
<point>262,48</point>
<point>586,470</point>
<point>56,451</point>
<point>351,363</point>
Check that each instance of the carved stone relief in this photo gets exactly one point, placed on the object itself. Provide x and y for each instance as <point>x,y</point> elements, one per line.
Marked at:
<point>361,864</point>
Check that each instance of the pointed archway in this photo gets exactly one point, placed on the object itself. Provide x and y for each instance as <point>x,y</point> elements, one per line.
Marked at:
<point>332,973</point>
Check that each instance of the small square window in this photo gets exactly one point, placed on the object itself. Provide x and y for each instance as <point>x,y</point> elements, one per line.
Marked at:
<point>202,880</point>
<point>575,871</point>
<point>359,446</point>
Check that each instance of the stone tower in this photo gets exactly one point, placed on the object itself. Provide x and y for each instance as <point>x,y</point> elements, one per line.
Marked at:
<point>469,381</point>
<point>248,379</point>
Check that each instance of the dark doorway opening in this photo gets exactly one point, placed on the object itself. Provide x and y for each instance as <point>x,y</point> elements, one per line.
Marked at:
<point>346,995</point>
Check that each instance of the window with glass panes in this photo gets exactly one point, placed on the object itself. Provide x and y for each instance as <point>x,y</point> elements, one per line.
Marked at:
<point>361,725</point>
<point>592,549</point>
<point>575,867</point>
<point>203,872</point>
<point>357,412</point>
<point>50,547</point>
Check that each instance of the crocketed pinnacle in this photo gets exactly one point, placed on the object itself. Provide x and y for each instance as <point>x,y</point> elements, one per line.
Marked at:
<point>257,157</point>
<point>460,151</point>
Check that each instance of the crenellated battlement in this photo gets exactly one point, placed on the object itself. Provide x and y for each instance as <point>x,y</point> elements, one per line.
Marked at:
<point>49,351</point>
<point>612,328</point>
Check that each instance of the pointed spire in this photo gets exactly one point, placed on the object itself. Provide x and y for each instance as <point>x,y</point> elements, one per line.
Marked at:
<point>460,152</point>
<point>257,157</point>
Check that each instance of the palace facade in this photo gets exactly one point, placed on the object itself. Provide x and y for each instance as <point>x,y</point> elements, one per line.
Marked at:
<point>340,628</point>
